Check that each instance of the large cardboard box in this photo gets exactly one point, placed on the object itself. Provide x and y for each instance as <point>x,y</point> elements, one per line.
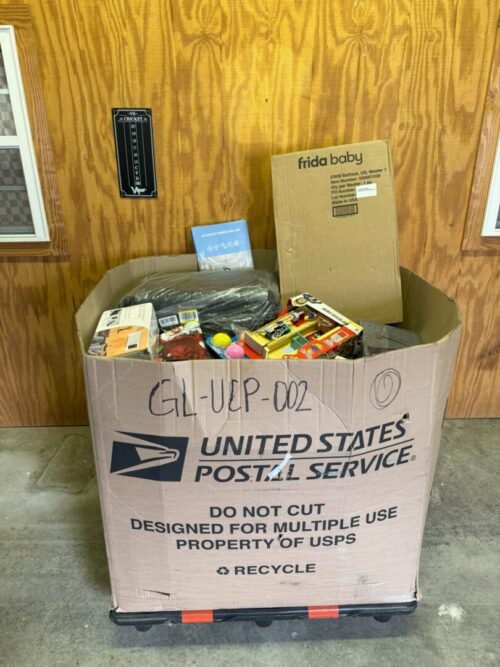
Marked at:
<point>228,484</point>
<point>336,228</point>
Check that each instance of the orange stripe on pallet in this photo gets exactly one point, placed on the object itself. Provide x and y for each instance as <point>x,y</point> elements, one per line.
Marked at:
<point>198,616</point>
<point>323,611</point>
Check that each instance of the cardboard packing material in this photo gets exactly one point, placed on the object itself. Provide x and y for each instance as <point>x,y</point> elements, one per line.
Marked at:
<point>230,484</point>
<point>336,228</point>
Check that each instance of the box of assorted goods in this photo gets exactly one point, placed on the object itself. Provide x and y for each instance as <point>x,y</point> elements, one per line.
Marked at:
<point>268,437</point>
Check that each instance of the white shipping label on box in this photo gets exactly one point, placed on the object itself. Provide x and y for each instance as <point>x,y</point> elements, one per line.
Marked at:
<point>367,190</point>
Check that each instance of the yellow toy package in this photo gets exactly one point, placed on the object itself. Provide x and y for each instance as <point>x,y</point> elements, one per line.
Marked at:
<point>308,330</point>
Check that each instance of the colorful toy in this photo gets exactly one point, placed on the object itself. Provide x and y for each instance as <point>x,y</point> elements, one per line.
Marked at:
<point>235,351</point>
<point>309,330</point>
<point>226,347</point>
<point>222,340</point>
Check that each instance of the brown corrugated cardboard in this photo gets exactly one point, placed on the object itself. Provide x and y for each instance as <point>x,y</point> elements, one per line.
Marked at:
<point>336,228</point>
<point>267,483</point>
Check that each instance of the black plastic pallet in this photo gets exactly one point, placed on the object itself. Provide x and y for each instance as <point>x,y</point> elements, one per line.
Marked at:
<point>263,617</point>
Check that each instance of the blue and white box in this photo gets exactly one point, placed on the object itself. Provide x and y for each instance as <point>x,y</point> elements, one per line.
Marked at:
<point>223,246</point>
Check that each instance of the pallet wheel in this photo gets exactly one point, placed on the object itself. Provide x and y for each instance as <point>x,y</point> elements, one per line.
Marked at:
<point>143,627</point>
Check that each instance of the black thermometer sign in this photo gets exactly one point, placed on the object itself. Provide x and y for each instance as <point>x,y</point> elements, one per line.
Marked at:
<point>135,154</point>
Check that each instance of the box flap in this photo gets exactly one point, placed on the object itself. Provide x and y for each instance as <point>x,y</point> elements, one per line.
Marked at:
<point>336,228</point>
<point>427,310</point>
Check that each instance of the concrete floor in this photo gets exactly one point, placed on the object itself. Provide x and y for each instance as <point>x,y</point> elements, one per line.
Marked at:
<point>54,585</point>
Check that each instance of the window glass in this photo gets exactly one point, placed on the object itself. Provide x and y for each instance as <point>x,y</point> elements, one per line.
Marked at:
<point>3,78</point>
<point>15,211</point>
<point>7,123</point>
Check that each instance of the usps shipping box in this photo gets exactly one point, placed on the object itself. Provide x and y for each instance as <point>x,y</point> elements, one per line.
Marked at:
<point>268,483</point>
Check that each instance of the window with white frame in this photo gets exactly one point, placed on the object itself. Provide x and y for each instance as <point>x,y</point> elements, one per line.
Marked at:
<point>22,213</point>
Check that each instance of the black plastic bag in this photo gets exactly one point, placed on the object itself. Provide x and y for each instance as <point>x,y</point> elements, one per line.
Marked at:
<point>228,301</point>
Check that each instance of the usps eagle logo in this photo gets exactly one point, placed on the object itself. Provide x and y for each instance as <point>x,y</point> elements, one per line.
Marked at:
<point>155,457</point>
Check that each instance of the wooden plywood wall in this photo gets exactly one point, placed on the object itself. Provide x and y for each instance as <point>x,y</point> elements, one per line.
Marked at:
<point>231,82</point>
